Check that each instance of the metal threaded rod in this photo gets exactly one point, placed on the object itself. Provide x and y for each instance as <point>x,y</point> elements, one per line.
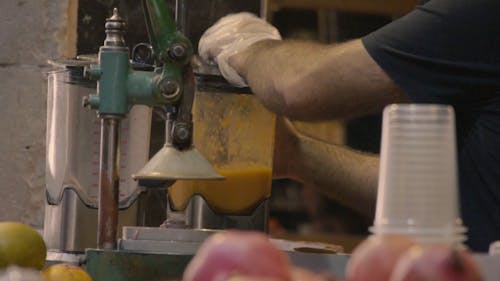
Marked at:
<point>109,180</point>
<point>181,15</point>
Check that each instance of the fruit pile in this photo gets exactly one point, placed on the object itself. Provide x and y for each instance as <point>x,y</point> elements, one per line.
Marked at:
<point>244,256</point>
<point>399,258</point>
<point>23,253</point>
<point>251,256</point>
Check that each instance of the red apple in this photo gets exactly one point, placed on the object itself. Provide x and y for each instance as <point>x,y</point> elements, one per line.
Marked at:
<point>436,263</point>
<point>375,258</point>
<point>238,253</point>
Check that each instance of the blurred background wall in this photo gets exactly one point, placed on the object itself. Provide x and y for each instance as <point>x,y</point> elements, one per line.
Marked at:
<point>31,32</point>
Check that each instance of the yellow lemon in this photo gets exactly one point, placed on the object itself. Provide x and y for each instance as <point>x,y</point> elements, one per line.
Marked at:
<point>65,272</point>
<point>21,245</point>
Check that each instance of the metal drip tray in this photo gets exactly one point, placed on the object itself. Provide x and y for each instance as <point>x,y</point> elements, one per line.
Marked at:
<point>157,240</point>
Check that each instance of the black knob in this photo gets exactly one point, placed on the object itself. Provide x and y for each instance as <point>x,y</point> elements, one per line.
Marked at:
<point>142,53</point>
<point>181,134</point>
<point>177,51</point>
<point>169,88</point>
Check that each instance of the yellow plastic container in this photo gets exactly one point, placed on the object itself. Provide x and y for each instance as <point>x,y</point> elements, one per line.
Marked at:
<point>236,134</point>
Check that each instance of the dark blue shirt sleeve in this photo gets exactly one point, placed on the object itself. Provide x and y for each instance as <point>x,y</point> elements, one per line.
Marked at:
<point>442,50</point>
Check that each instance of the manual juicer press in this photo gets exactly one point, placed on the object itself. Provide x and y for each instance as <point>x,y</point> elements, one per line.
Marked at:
<point>232,130</point>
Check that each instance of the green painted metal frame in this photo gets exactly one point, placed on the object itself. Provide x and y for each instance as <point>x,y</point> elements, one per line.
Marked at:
<point>121,87</point>
<point>112,265</point>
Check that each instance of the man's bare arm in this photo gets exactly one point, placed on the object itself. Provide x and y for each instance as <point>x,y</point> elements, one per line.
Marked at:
<point>343,174</point>
<point>307,80</point>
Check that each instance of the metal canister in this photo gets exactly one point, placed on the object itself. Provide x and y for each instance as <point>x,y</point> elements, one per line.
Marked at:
<point>72,158</point>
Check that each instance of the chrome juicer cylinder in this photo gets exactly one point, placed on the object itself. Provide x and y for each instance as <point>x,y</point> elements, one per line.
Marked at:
<point>72,159</point>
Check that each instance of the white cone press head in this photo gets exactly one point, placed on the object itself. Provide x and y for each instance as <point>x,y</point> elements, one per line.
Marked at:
<point>172,164</point>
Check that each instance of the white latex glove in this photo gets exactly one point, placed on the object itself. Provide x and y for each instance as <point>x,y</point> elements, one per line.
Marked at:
<point>230,35</point>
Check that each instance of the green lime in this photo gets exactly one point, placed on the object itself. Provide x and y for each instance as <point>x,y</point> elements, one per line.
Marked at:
<point>21,245</point>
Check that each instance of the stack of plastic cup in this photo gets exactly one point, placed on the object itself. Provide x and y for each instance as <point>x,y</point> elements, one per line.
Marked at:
<point>418,187</point>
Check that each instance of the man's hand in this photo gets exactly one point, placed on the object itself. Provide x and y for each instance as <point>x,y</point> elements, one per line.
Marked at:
<point>231,35</point>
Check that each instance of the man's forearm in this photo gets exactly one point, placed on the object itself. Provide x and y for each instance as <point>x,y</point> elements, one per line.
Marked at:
<point>270,67</point>
<point>307,80</point>
<point>341,173</point>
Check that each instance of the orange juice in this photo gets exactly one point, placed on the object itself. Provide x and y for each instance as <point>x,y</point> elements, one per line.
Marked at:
<point>242,190</point>
<point>236,135</point>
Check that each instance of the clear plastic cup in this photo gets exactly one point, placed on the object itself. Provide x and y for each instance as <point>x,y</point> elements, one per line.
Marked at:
<point>417,188</point>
